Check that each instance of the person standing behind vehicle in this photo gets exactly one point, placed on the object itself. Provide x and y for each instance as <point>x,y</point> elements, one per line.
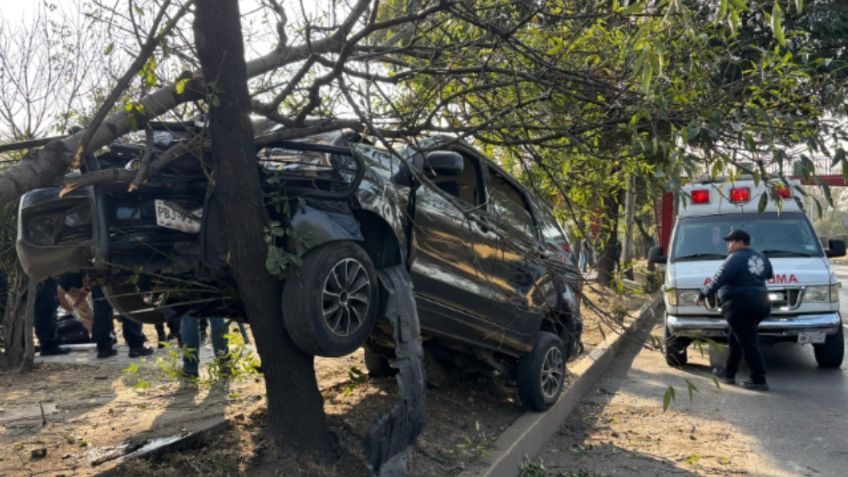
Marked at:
<point>741,286</point>
<point>103,328</point>
<point>190,334</point>
<point>44,319</point>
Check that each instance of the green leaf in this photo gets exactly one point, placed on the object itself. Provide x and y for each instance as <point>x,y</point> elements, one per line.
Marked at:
<point>667,398</point>
<point>722,10</point>
<point>647,77</point>
<point>799,6</point>
<point>108,50</point>
<point>691,388</point>
<point>777,24</point>
<point>838,157</point>
<point>181,85</point>
<point>763,202</point>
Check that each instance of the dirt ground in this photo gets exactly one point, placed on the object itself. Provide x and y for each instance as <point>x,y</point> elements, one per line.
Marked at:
<point>77,420</point>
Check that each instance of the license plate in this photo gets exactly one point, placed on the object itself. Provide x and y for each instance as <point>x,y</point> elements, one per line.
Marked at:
<point>172,216</point>
<point>812,337</point>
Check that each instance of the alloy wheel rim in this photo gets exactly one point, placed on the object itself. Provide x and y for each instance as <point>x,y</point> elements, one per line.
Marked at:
<point>552,373</point>
<point>345,295</point>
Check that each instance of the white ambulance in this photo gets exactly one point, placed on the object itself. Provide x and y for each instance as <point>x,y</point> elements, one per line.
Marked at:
<point>804,292</point>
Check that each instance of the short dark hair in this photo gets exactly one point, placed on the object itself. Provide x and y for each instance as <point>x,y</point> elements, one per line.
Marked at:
<point>738,235</point>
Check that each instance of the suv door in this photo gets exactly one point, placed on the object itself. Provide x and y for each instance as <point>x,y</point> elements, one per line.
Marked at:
<point>448,283</point>
<point>518,276</point>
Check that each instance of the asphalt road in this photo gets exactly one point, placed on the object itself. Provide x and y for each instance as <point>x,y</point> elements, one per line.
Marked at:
<point>799,427</point>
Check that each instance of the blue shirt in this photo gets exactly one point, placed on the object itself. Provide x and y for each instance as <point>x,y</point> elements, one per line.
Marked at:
<point>743,272</point>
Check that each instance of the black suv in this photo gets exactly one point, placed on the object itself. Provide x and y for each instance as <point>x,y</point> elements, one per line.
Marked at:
<point>493,275</point>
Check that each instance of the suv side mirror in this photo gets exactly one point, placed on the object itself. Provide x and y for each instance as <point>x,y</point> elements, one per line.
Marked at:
<point>836,248</point>
<point>443,164</point>
<point>656,255</point>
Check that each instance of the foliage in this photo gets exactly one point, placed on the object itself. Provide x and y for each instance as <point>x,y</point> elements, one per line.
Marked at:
<point>577,96</point>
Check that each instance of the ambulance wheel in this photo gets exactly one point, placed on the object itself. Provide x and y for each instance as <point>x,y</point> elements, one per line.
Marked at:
<point>674,348</point>
<point>830,353</point>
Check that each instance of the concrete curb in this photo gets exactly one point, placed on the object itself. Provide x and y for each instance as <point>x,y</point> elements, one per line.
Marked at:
<point>530,432</point>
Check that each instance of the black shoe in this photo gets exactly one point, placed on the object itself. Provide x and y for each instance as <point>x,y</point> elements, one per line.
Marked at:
<point>106,353</point>
<point>755,386</point>
<point>54,350</point>
<point>140,351</point>
<point>722,376</point>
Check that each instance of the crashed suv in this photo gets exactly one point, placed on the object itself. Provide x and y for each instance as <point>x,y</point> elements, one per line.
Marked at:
<point>493,277</point>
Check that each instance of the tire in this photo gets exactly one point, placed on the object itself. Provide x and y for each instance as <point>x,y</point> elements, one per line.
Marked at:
<point>378,365</point>
<point>674,349</point>
<point>830,353</point>
<point>330,304</point>
<point>541,373</point>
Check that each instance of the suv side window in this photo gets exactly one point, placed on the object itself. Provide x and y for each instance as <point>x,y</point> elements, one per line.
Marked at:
<point>550,228</point>
<point>509,204</point>
<point>466,186</point>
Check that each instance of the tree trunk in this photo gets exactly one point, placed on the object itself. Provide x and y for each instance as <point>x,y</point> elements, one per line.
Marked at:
<point>629,221</point>
<point>295,406</point>
<point>611,251</point>
<point>18,350</point>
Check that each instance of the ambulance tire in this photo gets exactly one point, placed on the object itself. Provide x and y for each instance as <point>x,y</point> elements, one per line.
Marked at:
<point>674,348</point>
<point>830,353</point>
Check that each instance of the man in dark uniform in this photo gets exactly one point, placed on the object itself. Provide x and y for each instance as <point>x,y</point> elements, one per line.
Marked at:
<point>741,286</point>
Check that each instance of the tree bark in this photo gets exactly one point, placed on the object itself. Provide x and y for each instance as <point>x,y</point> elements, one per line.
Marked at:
<point>295,407</point>
<point>629,222</point>
<point>18,350</point>
<point>611,251</point>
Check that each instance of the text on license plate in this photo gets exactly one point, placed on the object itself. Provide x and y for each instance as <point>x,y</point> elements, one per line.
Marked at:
<point>172,216</point>
<point>813,337</point>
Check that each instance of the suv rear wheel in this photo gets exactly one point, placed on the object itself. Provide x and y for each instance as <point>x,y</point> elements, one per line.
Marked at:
<point>330,304</point>
<point>541,373</point>
<point>674,348</point>
<point>830,353</point>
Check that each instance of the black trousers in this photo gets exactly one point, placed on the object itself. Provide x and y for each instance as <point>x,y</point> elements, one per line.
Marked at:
<point>743,314</point>
<point>102,327</point>
<point>44,317</point>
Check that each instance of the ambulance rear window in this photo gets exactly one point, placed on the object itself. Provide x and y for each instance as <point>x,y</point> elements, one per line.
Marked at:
<point>786,235</point>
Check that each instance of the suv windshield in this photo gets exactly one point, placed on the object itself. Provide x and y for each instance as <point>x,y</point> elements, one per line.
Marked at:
<point>786,235</point>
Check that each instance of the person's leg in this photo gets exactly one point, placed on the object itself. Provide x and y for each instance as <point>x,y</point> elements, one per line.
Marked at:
<point>190,335</point>
<point>134,336</point>
<point>102,326</point>
<point>44,315</point>
<point>734,354</point>
<point>161,336</point>
<point>751,345</point>
<point>218,328</point>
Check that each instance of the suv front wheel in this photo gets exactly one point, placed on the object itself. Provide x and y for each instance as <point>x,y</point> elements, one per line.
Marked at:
<point>541,373</point>
<point>330,304</point>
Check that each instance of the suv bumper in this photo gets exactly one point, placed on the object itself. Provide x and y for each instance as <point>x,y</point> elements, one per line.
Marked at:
<point>774,326</point>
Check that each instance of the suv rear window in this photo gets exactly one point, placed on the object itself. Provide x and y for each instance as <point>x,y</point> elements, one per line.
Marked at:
<point>786,235</point>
